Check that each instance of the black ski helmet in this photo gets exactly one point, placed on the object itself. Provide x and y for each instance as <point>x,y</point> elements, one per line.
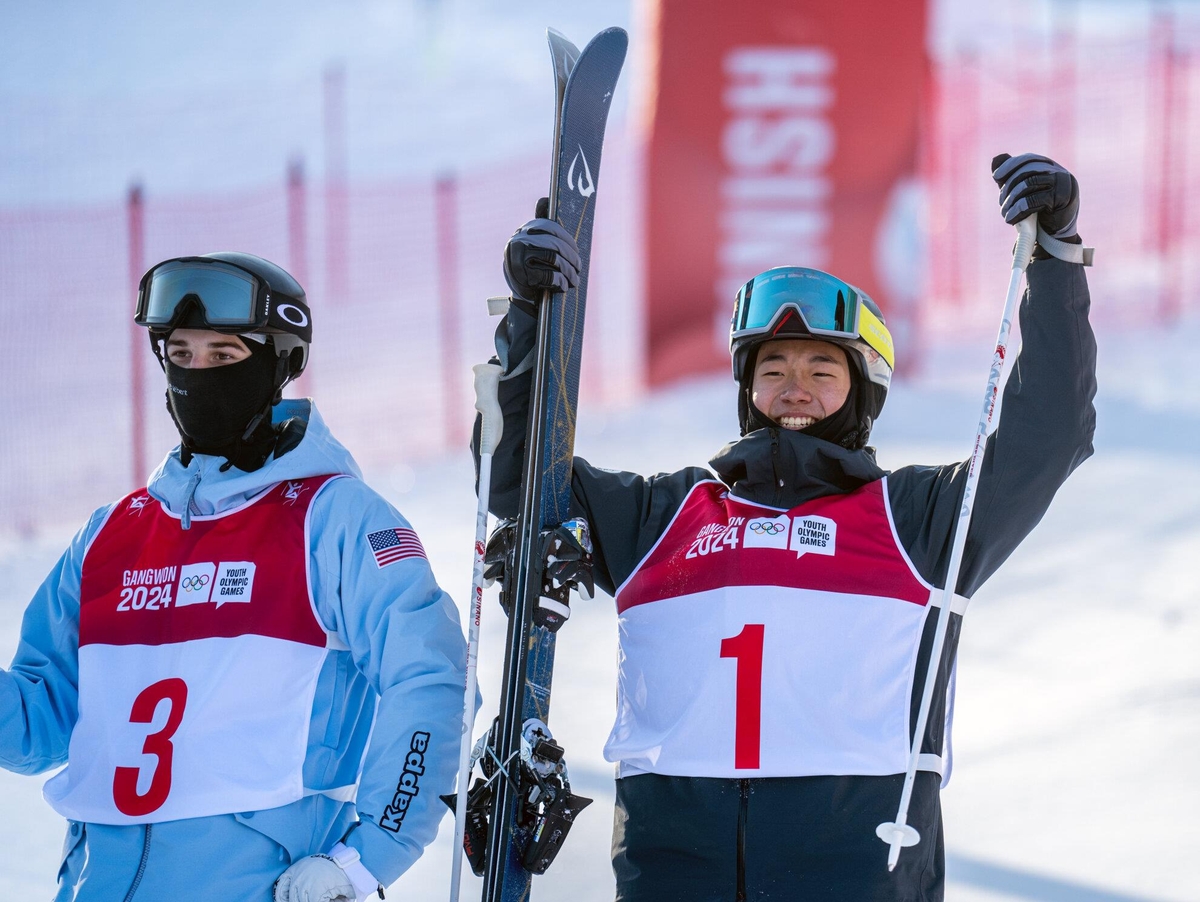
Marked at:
<point>231,292</point>
<point>798,302</point>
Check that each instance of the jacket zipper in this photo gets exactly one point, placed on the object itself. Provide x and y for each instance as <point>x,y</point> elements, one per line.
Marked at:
<point>778,488</point>
<point>185,517</point>
<point>137,878</point>
<point>743,811</point>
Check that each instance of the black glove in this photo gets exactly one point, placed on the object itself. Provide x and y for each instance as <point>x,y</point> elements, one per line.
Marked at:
<point>1035,184</point>
<point>540,255</point>
<point>498,553</point>
<point>566,564</point>
<point>567,552</point>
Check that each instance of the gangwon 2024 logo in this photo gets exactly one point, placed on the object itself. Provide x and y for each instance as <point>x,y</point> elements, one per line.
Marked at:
<point>800,535</point>
<point>715,537</point>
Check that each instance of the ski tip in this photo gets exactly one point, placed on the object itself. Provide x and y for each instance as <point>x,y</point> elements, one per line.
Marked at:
<point>563,53</point>
<point>561,44</point>
<point>615,35</point>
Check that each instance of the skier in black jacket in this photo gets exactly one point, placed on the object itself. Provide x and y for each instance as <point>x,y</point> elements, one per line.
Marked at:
<point>776,620</point>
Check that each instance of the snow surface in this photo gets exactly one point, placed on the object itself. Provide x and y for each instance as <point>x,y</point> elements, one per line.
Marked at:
<point>1078,708</point>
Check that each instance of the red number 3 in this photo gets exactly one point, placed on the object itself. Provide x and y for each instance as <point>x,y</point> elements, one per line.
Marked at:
<point>747,648</point>
<point>125,782</point>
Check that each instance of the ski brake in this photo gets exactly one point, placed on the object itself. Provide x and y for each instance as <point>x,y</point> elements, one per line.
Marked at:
<point>547,805</point>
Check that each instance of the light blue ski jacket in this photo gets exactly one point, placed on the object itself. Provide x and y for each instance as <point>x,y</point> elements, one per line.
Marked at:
<point>403,673</point>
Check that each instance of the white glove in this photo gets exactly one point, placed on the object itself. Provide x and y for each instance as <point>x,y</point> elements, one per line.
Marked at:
<point>336,877</point>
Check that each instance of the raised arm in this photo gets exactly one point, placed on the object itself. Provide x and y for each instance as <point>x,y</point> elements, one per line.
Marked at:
<point>1047,417</point>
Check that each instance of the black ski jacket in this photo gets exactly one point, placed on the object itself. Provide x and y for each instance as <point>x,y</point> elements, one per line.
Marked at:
<point>1045,432</point>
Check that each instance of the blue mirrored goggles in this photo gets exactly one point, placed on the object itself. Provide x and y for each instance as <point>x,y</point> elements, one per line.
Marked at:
<point>825,303</point>
<point>828,307</point>
<point>232,299</point>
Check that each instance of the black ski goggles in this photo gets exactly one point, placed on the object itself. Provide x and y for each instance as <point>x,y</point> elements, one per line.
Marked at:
<point>828,307</point>
<point>231,299</point>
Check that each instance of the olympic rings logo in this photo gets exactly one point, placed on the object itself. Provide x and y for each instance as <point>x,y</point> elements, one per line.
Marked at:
<point>194,583</point>
<point>769,528</point>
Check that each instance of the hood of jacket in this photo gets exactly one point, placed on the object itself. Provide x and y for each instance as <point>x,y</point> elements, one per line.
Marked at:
<point>207,490</point>
<point>783,468</point>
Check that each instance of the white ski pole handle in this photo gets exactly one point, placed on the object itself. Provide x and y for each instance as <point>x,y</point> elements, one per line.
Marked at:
<point>487,402</point>
<point>898,834</point>
<point>491,428</point>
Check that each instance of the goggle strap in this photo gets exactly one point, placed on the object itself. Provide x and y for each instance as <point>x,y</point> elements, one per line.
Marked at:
<point>872,330</point>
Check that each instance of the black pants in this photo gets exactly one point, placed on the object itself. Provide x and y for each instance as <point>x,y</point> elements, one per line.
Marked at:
<point>792,839</point>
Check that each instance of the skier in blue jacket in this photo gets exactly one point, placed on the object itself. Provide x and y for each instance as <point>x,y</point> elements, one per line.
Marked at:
<point>247,667</point>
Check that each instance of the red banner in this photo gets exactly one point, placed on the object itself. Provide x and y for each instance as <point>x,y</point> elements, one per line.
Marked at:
<point>782,132</point>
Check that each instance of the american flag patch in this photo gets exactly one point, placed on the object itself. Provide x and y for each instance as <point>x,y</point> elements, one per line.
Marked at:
<point>391,545</point>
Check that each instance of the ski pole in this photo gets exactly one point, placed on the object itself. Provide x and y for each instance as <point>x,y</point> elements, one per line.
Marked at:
<point>899,833</point>
<point>491,427</point>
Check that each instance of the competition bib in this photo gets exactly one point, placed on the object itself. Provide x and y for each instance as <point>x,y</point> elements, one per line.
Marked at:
<point>199,653</point>
<point>759,642</point>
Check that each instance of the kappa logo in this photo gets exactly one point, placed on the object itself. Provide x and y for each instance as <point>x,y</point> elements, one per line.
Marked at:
<point>293,490</point>
<point>228,581</point>
<point>138,503</point>
<point>803,535</point>
<point>586,186</point>
<point>408,786</point>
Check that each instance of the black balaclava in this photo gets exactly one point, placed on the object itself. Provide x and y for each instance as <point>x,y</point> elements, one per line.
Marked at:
<point>226,410</point>
<point>843,427</point>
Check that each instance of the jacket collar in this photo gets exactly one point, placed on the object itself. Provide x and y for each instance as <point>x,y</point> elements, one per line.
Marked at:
<point>783,468</point>
<point>204,488</point>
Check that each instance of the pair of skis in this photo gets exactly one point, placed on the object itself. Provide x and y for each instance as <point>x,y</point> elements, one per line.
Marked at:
<point>513,820</point>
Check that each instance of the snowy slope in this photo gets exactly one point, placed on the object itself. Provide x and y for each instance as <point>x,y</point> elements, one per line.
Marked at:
<point>1079,677</point>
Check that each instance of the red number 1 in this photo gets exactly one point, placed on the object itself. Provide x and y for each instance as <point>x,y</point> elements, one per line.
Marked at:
<point>747,648</point>
<point>125,781</point>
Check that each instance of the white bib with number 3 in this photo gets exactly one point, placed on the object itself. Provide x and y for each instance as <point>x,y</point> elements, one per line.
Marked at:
<point>199,654</point>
